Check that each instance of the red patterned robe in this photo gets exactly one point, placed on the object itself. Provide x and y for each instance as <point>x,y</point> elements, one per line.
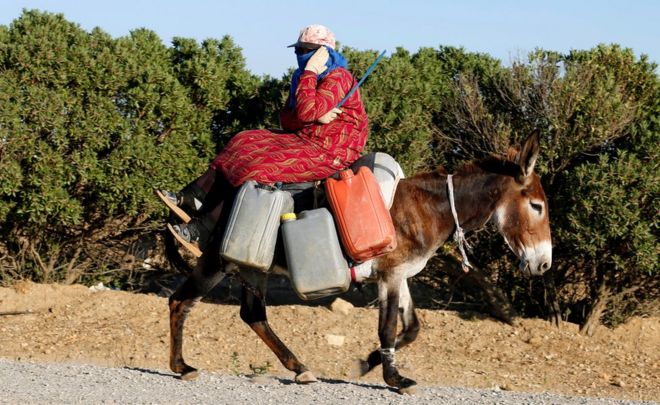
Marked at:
<point>308,150</point>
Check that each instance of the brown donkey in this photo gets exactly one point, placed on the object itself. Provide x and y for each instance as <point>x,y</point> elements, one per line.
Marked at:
<point>506,191</point>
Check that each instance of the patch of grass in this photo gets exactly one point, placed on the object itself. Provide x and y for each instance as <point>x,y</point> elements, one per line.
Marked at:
<point>235,364</point>
<point>262,369</point>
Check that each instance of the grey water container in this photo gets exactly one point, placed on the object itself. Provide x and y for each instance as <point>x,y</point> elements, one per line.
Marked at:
<point>317,267</point>
<point>251,232</point>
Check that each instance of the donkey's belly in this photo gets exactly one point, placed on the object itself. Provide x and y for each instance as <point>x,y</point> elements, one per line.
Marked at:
<point>413,267</point>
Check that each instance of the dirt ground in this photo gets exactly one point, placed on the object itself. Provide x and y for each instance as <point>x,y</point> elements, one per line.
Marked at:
<point>55,323</point>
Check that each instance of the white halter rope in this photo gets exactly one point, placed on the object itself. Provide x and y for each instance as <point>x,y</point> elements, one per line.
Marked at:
<point>459,236</point>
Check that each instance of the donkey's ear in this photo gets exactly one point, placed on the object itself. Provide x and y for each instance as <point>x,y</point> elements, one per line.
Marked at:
<point>527,156</point>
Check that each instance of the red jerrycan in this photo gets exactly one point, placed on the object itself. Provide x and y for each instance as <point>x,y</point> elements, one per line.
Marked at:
<point>365,225</point>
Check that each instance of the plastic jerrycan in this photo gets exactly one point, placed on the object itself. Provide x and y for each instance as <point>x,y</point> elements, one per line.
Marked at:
<point>251,232</point>
<point>364,222</point>
<point>316,264</point>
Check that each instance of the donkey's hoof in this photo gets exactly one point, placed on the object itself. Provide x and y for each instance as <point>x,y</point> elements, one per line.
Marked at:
<point>190,375</point>
<point>407,386</point>
<point>359,368</point>
<point>306,378</point>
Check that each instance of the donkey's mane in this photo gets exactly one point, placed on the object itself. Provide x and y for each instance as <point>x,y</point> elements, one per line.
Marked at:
<point>492,164</point>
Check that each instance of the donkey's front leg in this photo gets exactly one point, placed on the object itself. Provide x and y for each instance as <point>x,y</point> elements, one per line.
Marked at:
<point>389,294</point>
<point>407,335</point>
<point>204,278</point>
<point>253,313</point>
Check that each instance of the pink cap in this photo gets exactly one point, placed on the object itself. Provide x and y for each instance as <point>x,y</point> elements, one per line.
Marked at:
<point>315,35</point>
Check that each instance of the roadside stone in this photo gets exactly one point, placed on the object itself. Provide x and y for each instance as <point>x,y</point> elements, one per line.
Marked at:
<point>341,306</point>
<point>99,287</point>
<point>535,341</point>
<point>335,340</point>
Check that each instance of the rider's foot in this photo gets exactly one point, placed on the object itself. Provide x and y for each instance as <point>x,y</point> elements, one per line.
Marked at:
<point>189,236</point>
<point>183,204</point>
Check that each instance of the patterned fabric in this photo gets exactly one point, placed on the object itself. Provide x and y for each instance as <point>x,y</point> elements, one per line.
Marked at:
<point>306,150</point>
<point>315,34</point>
<point>335,60</point>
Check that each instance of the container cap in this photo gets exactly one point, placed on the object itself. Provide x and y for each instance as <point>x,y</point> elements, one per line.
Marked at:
<point>287,216</point>
<point>346,174</point>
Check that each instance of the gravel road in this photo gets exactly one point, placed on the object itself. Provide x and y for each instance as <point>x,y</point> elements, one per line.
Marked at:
<point>23,382</point>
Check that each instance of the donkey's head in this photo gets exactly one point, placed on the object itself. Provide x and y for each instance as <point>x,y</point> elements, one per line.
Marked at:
<point>522,212</point>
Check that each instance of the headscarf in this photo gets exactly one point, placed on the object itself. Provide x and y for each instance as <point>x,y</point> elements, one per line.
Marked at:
<point>335,60</point>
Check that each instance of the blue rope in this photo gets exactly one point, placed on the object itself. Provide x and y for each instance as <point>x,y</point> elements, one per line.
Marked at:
<point>371,68</point>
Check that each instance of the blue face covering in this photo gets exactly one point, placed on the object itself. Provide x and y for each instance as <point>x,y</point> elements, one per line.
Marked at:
<point>335,60</point>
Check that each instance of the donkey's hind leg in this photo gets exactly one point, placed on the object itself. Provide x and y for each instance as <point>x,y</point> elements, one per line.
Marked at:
<point>253,313</point>
<point>206,275</point>
<point>408,334</point>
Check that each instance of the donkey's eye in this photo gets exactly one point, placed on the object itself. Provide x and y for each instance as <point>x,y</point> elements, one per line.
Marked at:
<point>537,207</point>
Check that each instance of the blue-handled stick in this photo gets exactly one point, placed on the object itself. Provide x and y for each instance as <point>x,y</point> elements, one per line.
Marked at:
<point>371,68</point>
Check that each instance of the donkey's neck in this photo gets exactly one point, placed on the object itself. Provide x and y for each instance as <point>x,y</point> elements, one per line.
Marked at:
<point>422,214</point>
<point>476,196</point>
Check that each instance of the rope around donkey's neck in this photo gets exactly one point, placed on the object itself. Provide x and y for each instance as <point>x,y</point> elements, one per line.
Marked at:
<point>459,235</point>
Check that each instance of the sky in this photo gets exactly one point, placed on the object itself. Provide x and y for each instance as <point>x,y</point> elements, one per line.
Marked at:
<point>505,29</point>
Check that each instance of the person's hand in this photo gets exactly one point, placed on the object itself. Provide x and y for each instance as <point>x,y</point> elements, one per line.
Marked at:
<point>329,116</point>
<point>317,62</point>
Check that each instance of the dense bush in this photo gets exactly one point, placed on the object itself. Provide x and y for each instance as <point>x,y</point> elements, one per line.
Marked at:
<point>608,230</point>
<point>89,125</point>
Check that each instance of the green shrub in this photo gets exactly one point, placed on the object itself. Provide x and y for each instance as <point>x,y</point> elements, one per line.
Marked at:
<point>90,125</point>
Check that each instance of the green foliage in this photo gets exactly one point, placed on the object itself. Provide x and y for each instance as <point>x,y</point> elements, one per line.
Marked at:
<point>609,219</point>
<point>217,81</point>
<point>612,227</point>
<point>595,102</point>
<point>90,125</point>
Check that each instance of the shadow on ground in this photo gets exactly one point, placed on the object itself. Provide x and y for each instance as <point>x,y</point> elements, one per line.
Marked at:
<point>280,292</point>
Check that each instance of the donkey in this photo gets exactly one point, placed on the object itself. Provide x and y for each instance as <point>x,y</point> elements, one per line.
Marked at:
<point>506,191</point>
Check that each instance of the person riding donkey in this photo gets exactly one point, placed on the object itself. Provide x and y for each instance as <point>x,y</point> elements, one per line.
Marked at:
<point>317,140</point>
